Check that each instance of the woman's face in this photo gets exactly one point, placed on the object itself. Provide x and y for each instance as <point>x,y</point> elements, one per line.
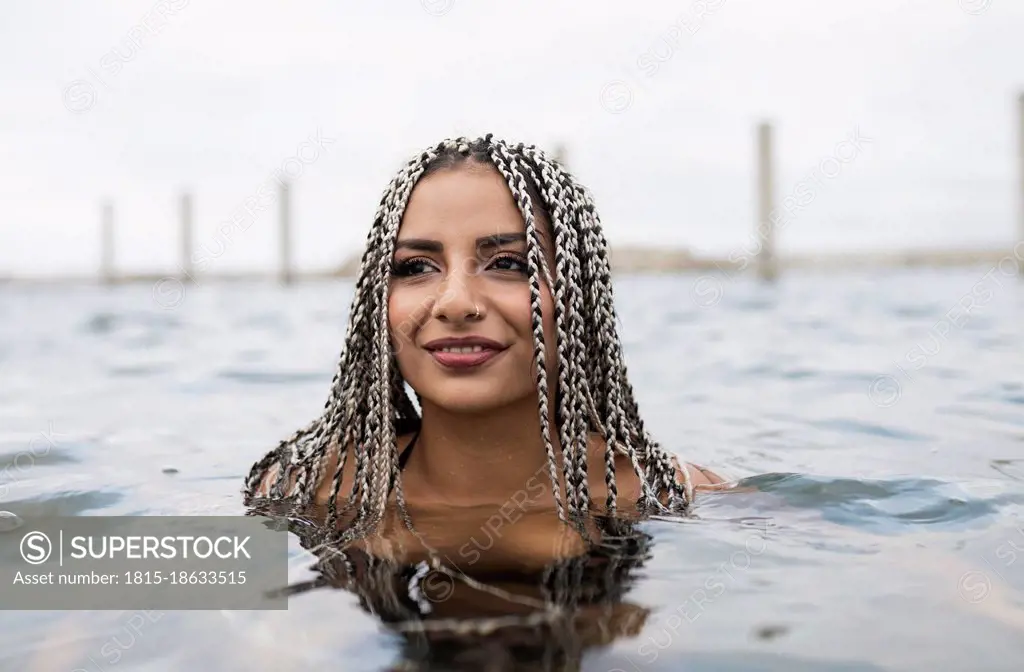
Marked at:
<point>460,293</point>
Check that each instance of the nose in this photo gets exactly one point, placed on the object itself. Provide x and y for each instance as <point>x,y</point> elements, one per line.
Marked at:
<point>457,300</point>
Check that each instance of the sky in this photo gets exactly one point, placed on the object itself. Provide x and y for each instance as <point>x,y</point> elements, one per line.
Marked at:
<point>895,121</point>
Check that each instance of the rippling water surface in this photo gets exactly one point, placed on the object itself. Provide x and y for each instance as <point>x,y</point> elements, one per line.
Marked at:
<point>877,422</point>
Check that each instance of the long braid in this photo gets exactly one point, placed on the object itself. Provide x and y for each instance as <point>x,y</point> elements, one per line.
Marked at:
<point>340,405</point>
<point>568,307</point>
<point>622,431</point>
<point>373,482</point>
<point>537,263</point>
<point>382,427</point>
<point>659,463</point>
<point>368,407</point>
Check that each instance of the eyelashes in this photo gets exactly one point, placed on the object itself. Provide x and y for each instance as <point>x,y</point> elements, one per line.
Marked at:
<point>518,263</point>
<point>419,265</point>
<point>408,267</point>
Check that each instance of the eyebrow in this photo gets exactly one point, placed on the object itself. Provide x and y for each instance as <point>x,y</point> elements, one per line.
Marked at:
<point>427,245</point>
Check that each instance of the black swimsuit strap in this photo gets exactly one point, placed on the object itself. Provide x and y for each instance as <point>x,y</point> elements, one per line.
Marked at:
<point>404,457</point>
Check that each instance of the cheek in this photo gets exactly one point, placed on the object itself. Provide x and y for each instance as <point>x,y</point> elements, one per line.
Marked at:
<point>406,312</point>
<point>515,307</point>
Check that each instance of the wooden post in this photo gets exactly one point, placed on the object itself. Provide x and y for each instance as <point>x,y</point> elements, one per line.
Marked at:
<point>1020,150</point>
<point>766,262</point>
<point>185,210</point>
<point>107,242</point>
<point>286,225</point>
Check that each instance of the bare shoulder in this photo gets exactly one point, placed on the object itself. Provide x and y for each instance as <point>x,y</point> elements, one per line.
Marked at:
<point>700,477</point>
<point>326,482</point>
<point>269,478</point>
<point>628,482</point>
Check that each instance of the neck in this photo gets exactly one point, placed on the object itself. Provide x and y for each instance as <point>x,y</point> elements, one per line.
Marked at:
<point>483,458</point>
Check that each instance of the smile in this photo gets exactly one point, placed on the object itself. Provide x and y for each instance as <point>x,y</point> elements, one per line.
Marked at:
<point>464,357</point>
<point>465,352</point>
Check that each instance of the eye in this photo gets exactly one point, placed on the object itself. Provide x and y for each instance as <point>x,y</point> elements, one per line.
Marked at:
<point>410,267</point>
<point>510,262</point>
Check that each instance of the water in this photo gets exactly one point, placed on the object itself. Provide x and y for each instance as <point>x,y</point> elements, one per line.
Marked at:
<point>882,453</point>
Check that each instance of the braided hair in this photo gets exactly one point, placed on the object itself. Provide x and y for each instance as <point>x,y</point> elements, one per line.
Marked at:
<point>368,406</point>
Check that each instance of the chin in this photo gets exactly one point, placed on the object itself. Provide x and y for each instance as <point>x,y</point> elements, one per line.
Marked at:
<point>468,398</point>
<point>468,407</point>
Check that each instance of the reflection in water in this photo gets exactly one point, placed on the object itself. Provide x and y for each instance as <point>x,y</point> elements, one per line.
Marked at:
<point>500,618</point>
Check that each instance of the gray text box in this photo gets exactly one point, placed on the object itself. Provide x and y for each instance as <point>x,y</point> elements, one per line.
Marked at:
<point>144,562</point>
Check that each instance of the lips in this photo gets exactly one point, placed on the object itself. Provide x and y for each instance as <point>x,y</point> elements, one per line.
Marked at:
<point>463,353</point>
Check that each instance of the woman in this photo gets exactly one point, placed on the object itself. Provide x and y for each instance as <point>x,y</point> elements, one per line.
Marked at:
<point>485,287</point>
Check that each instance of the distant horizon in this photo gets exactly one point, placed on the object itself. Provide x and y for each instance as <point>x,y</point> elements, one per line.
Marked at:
<point>939,255</point>
<point>886,142</point>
